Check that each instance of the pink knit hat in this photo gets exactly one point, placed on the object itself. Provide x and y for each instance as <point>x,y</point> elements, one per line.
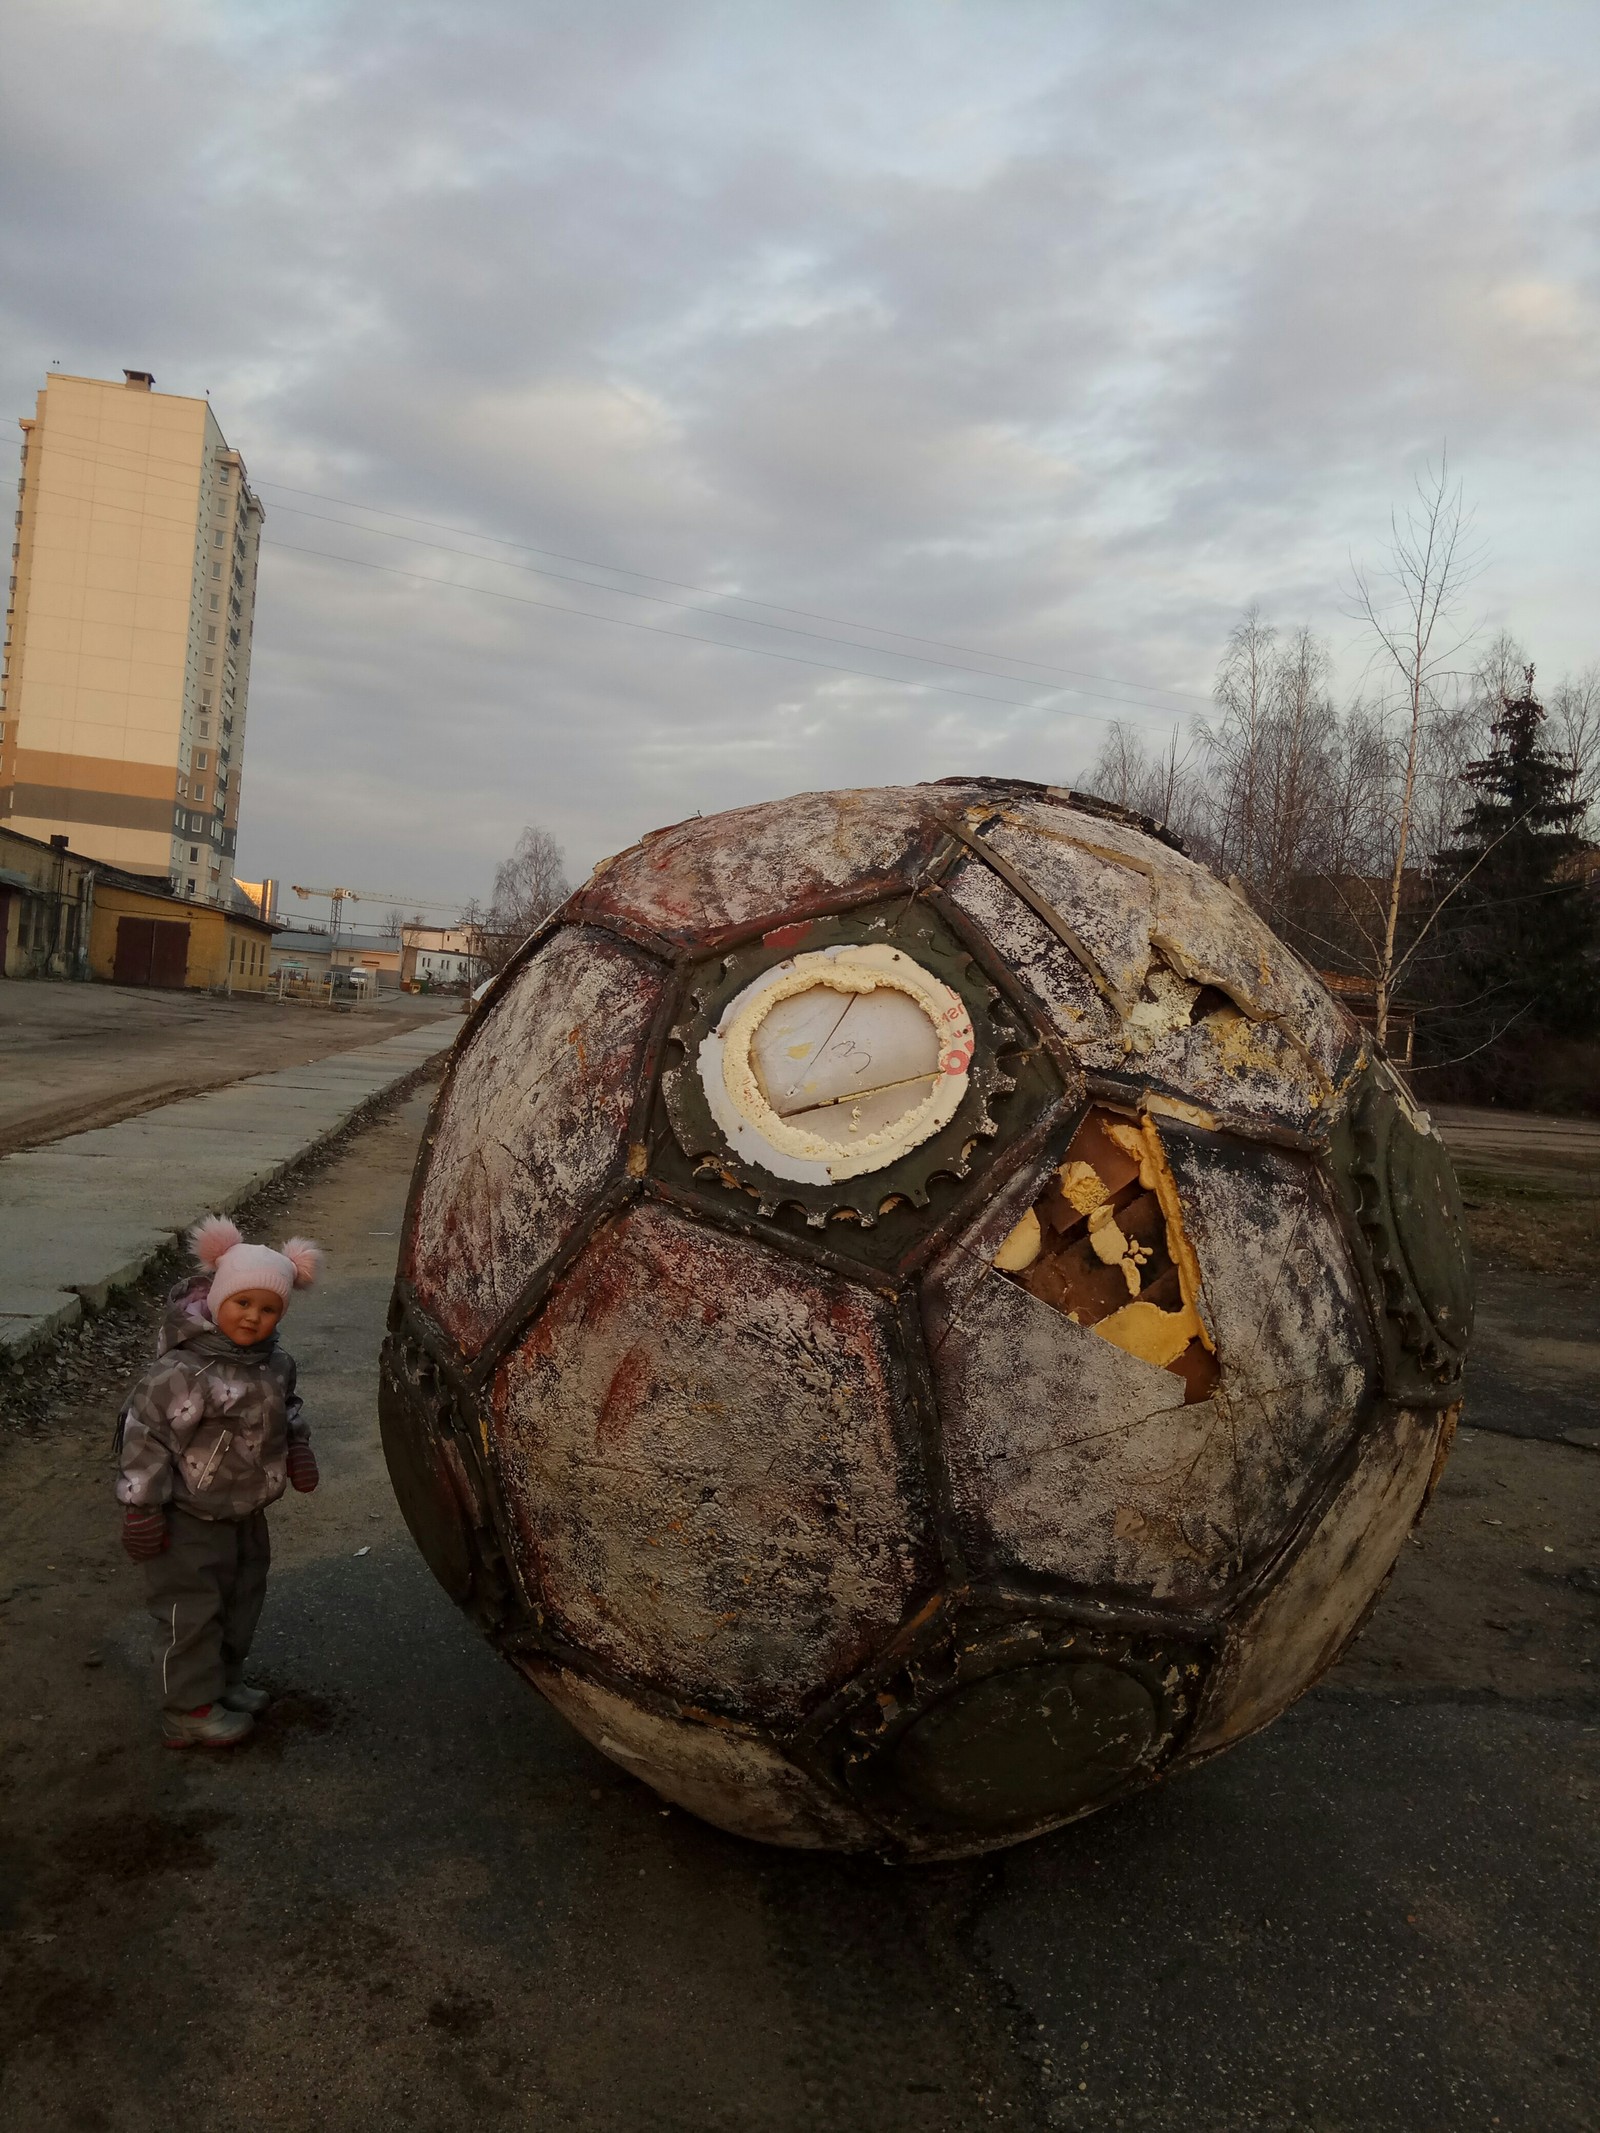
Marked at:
<point>216,1243</point>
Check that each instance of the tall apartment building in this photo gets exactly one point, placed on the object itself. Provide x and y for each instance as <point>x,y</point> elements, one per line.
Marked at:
<point>126,666</point>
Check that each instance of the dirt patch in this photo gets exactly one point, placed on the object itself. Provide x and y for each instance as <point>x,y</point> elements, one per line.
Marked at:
<point>1498,1592</point>
<point>292,1712</point>
<point>459,2015</point>
<point>43,2004</point>
<point>76,1056</point>
<point>135,1847</point>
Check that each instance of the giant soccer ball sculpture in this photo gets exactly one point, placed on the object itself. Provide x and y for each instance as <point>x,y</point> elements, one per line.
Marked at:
<point>918,1316</point>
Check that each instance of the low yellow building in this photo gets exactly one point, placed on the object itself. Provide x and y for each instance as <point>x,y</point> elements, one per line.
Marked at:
<point>143,936</point>
<point>46,897</point>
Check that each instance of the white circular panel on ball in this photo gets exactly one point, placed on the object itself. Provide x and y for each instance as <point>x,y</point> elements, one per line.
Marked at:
<point>837,1063</point>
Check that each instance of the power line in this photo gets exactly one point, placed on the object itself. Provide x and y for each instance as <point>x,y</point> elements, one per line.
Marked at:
<point>756,651</point>
<point>710,593</point>
<point>788,629</point>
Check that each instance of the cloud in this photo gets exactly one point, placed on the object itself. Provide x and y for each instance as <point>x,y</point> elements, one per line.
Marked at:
<point>1059,334</point>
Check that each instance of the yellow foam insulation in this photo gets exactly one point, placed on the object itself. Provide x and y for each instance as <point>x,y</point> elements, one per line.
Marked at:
<point>1153,1335</point>
<point>1083,1187</point>
<point>1143,1143</point>
<point>1022,1247</point>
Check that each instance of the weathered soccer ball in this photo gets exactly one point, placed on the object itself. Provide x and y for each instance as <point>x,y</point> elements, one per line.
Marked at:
<point>918,1316</point>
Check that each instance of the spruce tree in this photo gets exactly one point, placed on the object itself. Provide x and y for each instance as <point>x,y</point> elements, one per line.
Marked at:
<point>1517,966</point>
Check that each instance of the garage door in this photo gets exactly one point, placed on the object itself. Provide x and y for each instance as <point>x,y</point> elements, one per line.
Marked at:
<point>151,951</point>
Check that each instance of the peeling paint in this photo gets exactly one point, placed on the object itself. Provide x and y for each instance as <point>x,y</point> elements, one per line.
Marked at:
<point>1175,978</point>
<point>710,1467</point>
<point>722,873</point>
<point>1288,1639</point>
<point>533,1121</point>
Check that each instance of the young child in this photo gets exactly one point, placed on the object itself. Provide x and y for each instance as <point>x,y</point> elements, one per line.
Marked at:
<point>208,1437</point>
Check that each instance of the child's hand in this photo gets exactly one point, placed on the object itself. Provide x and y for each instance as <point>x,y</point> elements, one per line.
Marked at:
<point>302,1468</point>
<point>144,1533</point>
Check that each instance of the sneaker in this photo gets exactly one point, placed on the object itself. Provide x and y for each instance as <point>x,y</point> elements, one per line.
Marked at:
<point>243,1696</point>
<point>212,1726</point>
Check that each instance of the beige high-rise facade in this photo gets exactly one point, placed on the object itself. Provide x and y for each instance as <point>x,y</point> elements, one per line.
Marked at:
<point>127,650</point>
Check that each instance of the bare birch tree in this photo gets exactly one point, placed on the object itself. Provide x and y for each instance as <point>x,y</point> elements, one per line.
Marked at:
<point>1159,784</point>
<point>1575,734</point>
<point>1410,605</point>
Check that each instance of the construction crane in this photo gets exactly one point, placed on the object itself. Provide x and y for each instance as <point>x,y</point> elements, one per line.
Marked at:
<point>339,897</point>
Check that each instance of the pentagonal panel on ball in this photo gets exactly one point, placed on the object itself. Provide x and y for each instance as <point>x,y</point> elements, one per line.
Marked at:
<point>533,1121</point>
<point>706,1449</point>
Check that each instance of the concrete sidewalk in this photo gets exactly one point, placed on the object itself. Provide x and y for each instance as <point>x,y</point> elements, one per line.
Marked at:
<point>87,1215</point>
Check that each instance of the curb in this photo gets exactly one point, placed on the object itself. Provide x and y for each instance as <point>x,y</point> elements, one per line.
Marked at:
<point>87,1216</point>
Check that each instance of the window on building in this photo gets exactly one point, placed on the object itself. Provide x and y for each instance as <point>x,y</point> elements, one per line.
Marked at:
<point>194,853</point>
<point>200,759</point>
<point>211,638</point>
<point>216,538</point>
<point>189,885</point>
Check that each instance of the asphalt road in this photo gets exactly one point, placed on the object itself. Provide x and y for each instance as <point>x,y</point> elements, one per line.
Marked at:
<point>418,1900</point>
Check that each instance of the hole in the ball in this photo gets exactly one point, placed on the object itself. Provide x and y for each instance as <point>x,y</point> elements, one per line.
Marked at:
<point>1104,1244</point>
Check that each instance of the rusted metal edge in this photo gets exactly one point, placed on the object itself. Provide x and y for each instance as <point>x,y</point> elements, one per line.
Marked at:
<point>738,1221</point>
<point>1283,1558</point>
<point>464,1411</point>
<point>1132,1092</point>
<point>1011,983</point>
<point>618,1191</point>
<point>923,1400</point>
<point>441,1349</point>
<point>647,1073</point>
<point>1007,1594</point>
<point>1042,910</point>
<point>1091,804</point>
<point>682,947</point>
<point>1096,1607</point>
<point>921,1628</point>
<point>660,947</point>
<point>1062,1119</point>
<point>686,946</point>
<point>1322,1492</point>
<point>549,1645</point>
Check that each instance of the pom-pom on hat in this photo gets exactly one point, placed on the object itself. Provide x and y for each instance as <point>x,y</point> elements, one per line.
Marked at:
<point>235,1265</point>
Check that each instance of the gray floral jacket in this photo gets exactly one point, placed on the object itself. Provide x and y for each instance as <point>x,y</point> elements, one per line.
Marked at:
<point>209,1425</point>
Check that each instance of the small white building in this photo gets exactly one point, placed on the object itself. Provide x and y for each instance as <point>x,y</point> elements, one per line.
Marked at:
<point>436,957</point>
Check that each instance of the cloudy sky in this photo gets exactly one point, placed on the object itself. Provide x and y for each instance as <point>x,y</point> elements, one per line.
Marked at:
<point>982,358</point>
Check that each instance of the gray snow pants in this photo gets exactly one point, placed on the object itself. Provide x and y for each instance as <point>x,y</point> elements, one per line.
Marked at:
<point>205,1594</point>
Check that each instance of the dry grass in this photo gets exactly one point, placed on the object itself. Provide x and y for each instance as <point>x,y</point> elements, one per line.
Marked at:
<point>1530,1222</point>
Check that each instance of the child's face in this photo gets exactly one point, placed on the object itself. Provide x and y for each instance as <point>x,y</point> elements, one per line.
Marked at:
<point>249,1315</point>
